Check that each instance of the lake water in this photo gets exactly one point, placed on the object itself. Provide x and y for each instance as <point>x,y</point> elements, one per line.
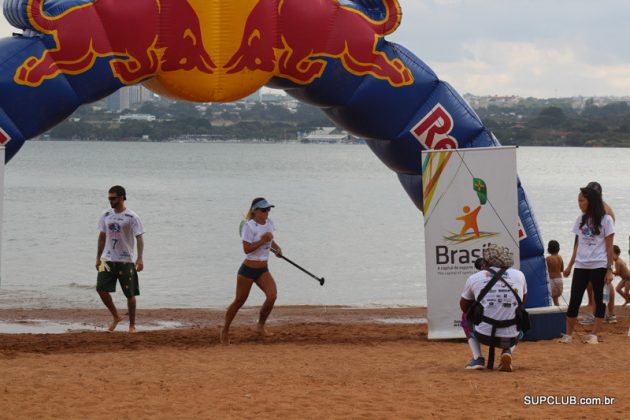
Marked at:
<point>339,212</point>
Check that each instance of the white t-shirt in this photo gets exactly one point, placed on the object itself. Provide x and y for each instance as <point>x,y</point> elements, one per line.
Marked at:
<point>499,303</point>
<point>121,230</point>
<point>252,232</point>
<point>591,250</point>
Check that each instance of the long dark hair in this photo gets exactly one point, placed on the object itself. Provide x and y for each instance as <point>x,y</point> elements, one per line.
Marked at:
<point>595,211</point>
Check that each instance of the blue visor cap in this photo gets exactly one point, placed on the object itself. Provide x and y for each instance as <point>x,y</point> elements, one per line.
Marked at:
<point>263,204</point>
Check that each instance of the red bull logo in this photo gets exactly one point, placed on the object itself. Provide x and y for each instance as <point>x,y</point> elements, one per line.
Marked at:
<point>128,31</point>
<point>163,43</point>
<point>4,137</point>
<point>295,47</point>
<point>433,131</point>
<point>522,234</point>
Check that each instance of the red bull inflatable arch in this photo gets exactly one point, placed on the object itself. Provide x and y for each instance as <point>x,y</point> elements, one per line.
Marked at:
<point>328,53</point>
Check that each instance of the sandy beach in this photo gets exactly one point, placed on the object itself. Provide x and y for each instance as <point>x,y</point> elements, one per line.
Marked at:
<point>321,362</point>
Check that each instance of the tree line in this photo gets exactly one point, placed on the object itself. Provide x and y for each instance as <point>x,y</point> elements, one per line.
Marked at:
<point>176,120</point>
<point>560,124</point>
<point>528,122</point>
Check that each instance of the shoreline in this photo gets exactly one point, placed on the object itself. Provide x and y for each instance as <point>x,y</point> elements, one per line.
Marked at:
<point>359,142</point>
<point>88,319</point>
<point>80,320</point>
<point>203,141</point>
<point>320,362</point>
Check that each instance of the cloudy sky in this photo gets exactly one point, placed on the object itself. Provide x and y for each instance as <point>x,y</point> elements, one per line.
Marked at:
<point>540,48</point>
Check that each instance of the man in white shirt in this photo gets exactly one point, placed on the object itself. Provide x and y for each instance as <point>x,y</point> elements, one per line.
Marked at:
<point>499,304</point>
<point>120,229</point>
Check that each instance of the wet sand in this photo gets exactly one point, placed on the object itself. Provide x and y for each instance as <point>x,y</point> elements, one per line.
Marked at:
<point>320,363</point>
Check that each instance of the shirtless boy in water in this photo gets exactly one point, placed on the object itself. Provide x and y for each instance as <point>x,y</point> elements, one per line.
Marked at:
<point>621,270</point>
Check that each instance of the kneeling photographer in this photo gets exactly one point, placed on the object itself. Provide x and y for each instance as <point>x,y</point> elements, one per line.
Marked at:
<point>493,304</point>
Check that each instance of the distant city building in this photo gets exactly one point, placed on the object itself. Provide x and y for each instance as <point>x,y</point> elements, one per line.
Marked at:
<point>486,101</point>
<point>328,135</point>
<point>118,100</point>
<point>129,97</point>
<point>291,105</point>
<point>137,117</point>
<point>139,94</point>
<point>274,97</point>
<point>254,97</point>
<point>576,102</point>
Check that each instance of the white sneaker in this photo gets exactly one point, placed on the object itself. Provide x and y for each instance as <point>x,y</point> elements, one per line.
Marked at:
<point>565,339</point>
<point>591,339</point>
<point>587,320</point>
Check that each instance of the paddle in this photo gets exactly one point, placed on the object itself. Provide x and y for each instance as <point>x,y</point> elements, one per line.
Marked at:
<point>320,280</point>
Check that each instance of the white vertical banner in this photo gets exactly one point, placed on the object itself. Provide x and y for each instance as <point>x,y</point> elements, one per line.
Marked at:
<point>2,153</point>
<point>470,200</point>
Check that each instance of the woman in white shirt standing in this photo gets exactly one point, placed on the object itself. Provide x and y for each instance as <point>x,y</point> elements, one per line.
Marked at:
<point>257,236</point>
<point>593,258</point>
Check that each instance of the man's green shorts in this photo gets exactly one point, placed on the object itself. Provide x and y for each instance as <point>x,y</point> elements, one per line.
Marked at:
<point>119,271</point>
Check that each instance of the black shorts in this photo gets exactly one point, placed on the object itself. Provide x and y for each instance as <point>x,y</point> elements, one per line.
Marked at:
<point>500,342</point>
<point>252,273</point>
<point>123,272</point>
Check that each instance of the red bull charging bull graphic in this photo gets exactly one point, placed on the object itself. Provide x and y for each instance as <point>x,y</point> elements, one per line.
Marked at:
<point>297,49</point>
<point>128,35</point>
<point>330,53</point>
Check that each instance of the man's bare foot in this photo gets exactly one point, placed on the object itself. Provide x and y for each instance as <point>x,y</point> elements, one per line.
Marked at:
<point>260,329</point>
<point>115,322</point>
<point>224,337</point>
<point>132,328</point>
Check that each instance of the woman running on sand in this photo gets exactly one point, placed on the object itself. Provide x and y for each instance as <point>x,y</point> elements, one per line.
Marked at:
<point>257,236</point>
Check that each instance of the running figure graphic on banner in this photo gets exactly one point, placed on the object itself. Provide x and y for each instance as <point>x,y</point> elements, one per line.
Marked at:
<point>470,221</point>
<point>470,229</point>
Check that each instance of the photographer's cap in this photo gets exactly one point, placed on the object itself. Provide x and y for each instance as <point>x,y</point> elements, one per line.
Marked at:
<point>498,256</point>
<point>262,204</point>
